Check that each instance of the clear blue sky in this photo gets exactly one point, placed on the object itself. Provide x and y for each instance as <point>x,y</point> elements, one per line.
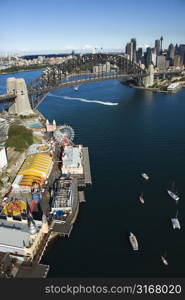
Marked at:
<point>81,24</point>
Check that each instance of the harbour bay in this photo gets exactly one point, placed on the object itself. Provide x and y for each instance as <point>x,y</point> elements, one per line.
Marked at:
<point>143,133</point>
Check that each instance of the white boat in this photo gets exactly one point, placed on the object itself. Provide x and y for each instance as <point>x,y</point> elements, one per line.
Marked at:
<point>133,241</point>
<point>172,195</point>
<point>76,88</point>
<point>164,260</point>
<point>145,176</point>
<point>141,198</point>
<point>175,222</point>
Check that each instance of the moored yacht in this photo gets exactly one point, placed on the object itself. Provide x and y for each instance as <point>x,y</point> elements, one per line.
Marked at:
<point>175,222</point>
<point>133,241</point>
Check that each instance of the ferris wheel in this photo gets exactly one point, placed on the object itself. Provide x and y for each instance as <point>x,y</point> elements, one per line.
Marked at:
<point>63,133</point>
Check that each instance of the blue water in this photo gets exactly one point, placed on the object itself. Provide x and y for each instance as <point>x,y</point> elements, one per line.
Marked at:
<point>34,125</point>
<point>145,132</point>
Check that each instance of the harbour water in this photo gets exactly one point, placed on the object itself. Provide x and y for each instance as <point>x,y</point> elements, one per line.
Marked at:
<point>128,132</point>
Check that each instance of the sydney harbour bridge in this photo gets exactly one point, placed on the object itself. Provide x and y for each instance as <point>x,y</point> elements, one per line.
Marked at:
<point>78,70</point>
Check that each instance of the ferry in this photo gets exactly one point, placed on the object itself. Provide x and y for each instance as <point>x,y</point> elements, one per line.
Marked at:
<point>133,241</point>
<point>145,176</point>
<point>172,195</point>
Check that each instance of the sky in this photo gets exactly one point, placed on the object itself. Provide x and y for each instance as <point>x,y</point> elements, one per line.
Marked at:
<point>56,25</point>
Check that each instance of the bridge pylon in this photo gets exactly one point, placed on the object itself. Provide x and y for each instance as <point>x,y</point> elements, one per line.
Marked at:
<point>21,106</point>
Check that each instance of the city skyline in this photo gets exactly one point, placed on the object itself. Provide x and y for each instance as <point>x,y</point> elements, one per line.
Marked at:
<point>38,27</point>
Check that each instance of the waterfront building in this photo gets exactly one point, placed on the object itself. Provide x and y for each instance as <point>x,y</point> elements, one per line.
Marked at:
<point>36,168</point>
<point>72,160</point>
<point>161,62</point>
<point>21,239</point>
<point>157,47</point>
<point>173,86</point>
<point>3,159</point>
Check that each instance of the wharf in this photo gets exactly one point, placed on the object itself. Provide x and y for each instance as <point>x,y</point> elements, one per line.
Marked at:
<point>87,171</point>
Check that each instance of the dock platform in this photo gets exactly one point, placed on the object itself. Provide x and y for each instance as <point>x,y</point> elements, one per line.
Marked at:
<point>86,164</point>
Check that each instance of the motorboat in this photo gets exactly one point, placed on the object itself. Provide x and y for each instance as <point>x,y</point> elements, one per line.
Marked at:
<point>175,222</point>
<point>141,198</point>
<point>133,241</point>
<point>172,192</point>
<point>145,176</point>
<point>172,195</point>
<point>164,260</point>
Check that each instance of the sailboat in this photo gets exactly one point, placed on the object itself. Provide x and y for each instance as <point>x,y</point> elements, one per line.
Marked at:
<point>173,195</point>
<point>164,260</point>
<point>175,222</point>
<point>141,198</point>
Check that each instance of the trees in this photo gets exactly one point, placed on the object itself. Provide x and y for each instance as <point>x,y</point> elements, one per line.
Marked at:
<point>19,138</point>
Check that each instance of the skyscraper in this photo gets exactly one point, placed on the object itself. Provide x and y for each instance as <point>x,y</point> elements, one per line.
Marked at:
<point>133,41</point>
<point>182,53</point>
<point>148,56</point>
<point>139,54</point>
<point>171,51</point>
<point>129,50</point>
<point>157,47</point>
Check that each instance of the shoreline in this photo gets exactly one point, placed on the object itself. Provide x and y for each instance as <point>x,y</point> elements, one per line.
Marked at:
<point>155,90</point>
<point>13,72</point>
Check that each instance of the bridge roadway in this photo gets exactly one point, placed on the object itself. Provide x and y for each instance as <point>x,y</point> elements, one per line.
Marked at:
<point>80,81</point>
<point>99,77</point>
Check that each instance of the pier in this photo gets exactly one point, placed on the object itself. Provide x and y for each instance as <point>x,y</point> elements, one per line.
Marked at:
<point>87,171</point>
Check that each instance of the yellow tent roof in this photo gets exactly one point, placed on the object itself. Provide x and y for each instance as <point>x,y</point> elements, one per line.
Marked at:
<point>36,165</point>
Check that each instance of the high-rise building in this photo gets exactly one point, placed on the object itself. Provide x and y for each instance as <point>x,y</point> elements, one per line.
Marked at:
<point>171,51</point>
<point>182,53</point>
<point>177,61</point>
<point>161,62</point>
<point>139,54</point>
<point>176,50</point>
<point>133,42</point>
<point>129,50</point>
<point>157,46</point>
<point>148,56</point>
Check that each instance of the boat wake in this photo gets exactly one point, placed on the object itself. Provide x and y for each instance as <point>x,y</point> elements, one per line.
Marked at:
<point>84,100</point>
